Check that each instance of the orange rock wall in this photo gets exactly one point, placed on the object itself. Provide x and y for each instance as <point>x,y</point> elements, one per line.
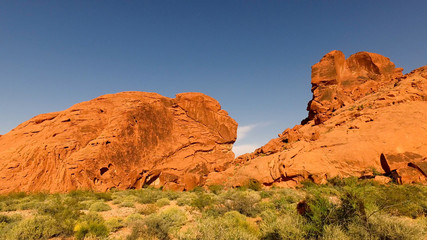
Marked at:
<point>123,140</point>
<point>362,107</point>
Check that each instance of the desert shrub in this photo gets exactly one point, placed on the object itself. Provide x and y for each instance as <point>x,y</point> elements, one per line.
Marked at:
<point>5,225</point>
<point>148,195</point>
<point>9,205</point>
<point>34,204</point>
<point>408,200</point>
<point>38,227</point>
<point>85,205</point>
<point>186,199</point>
<point>341,182</point>
<point>320,212</point>
<point>90,229</point>
<point>253,184</point>
<point>114,224</point>
<point>81,195</point>
<point>214,211</point>
<point>334,232</point>
<point>90,225</point>
<point>283,226</point>
<point>358,231</point>
<point>232,225</point>
<point>216,189</point>
<point>172,195</point>
<point>65,212</point>
<point>394,228</point>
<point>265,206</point>
<point>5,219</point>
<point>352,208</point>
<point>159,225</point>
<point>266,193</point>
<point>99,207</point>
<point>198,189</point>
<point>245,202</point>
<point>106,196</point>
<point>148,209</point>
<point>280,202</point>
<point>317,214</point>
<point>133,219</point>
<point>202,200</point>
<point>289,195</point>
<point>128,204</point>
<point>162,202</point>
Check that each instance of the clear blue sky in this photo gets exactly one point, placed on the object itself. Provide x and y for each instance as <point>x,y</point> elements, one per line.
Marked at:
<point>254,57</point>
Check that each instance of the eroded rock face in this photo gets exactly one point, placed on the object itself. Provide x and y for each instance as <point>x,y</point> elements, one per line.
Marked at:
<point>337,82</point>
<point>387,118</point>
<point>124,140</point>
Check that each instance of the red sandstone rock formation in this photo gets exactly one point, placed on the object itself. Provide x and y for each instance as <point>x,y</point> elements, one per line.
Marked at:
<point>337,82</point>
<point>124,140</point>
<point>362,107</point>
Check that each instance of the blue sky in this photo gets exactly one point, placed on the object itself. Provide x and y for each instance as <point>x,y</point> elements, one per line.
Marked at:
<point>254,57</point>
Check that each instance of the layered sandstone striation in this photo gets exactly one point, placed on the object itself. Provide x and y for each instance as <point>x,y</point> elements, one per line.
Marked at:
<point>124,140</point>
<point>362,108</point>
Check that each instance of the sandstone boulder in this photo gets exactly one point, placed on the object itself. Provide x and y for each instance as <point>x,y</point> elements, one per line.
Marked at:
<point>123,140</point>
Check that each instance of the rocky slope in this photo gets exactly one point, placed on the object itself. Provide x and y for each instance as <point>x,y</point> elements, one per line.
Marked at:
<point>123,140</point>
<point>364,118</point>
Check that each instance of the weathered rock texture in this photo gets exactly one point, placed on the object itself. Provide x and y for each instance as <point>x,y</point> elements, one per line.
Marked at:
<point>362,107</point>
<point>123,140</point>
<point>337,81</point>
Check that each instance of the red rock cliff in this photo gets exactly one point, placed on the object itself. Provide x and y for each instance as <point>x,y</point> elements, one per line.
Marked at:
<point>362,108</point>
<point>337,82</point>
<point>124,140</point>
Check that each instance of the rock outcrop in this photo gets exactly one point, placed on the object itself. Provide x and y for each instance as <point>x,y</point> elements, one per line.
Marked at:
<point>337,82</point>
<point>124,140</point>
<point>362,108</point>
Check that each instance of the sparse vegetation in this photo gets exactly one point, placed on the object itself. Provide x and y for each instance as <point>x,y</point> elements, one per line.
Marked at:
<point>341,209</point>
<point>99,207</point>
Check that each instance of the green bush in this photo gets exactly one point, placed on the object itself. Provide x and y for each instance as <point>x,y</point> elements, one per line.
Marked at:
<point>232,225</point>
<point>5,219</point>
<point>162,202</point>
<point>317,214</point>
<point>253,184</point>
<point>127,204</point>
<point>396,228</point>
<point>216,189</point>
<point>133,219</point>
<point>202,200</point>
<point>281,226</point>
<point>160,225</point>
<point>172,195</point>
<point>90,229</point>
<point>245,202</point>
<point>408,200</point>
<point>352,208</point>
<point>90,225</point>
<point>99,207</point>
<point>148,195</point>
<point>38,227</point>
<point>148,209</point>
<point>65,212</point>
<point>186,199</point>
<point>114,224</point>
<point>334,232</point>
